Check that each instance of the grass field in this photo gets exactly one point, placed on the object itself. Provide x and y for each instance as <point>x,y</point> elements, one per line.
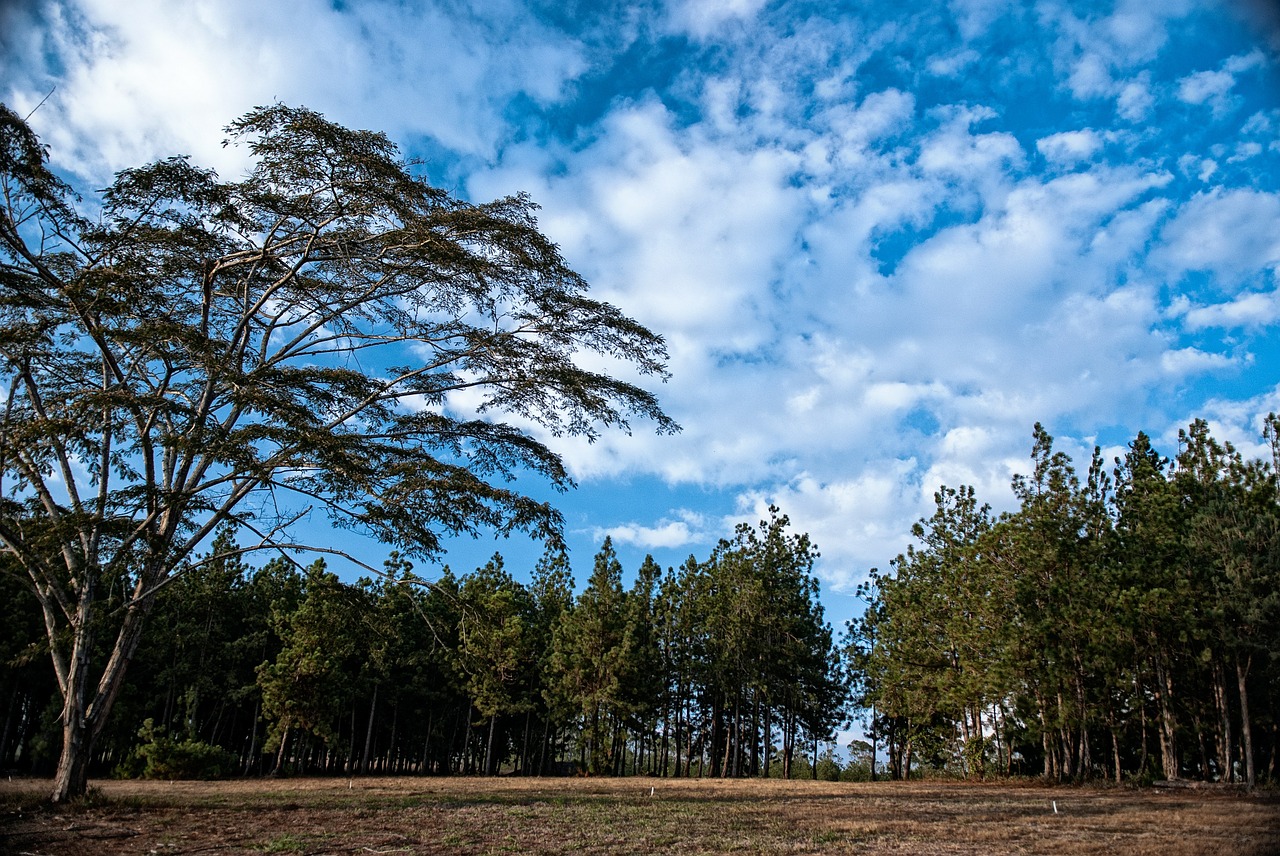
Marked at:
<point>553,816</point>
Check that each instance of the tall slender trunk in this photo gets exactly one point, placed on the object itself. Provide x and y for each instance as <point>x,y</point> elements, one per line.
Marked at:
<point>875,736</point>
<point>1046,740</point>
<point>755,738</point>
<point>1246,728</point>
<point>787,741</point>
<point>251,758</point>
<point>1224,723</point>
<point>368,733</point>
<point>8,726</point>
<point>542,749</point>
<point>426,744</point>
<point>1115,752</point>
<point>666,745</point>
<point>1168,724</point>
<point>1067,770</point>
<point>525,757</point>
<point>1201,745</point>
<point>488,749</point>
<point>466,740</point>
<point>768,738</point>
<point>737,735</point>
<point>1146,752</point>
<point>393,753</point>
<point>284,741</point>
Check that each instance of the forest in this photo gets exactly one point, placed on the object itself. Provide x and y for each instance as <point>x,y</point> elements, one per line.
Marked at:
<point>1123,626</point>
<point>723,667</point>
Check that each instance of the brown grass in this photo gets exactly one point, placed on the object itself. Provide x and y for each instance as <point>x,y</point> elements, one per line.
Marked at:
<point>594,816</point>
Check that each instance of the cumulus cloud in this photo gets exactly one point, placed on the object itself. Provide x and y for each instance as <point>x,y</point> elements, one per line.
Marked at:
<point>880,246</point>
<point>1228,232</point>
<point>1253,309</point>
<point>144,80</point>
<point>701,18</point>
<point>684,529</point>
<point>1070,147</point>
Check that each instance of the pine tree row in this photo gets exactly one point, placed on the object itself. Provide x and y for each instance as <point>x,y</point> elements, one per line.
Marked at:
<point>1126,626</point>
<point>720,667</point>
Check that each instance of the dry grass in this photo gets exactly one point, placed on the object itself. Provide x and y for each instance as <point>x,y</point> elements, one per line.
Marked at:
<point>595,816</point>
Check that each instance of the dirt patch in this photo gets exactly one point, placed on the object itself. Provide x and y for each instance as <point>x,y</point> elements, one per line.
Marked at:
<point>597,816</point>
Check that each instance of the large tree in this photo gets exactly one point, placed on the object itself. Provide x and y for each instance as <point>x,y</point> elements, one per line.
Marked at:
<point>329,333</point>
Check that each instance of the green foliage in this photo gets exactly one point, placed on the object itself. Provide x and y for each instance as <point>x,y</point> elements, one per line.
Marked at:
<point>161,757</point>
<point>324,643</point>
<point>1123,626</point>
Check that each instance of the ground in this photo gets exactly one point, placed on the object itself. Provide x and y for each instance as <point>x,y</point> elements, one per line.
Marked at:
<point>636,815</point>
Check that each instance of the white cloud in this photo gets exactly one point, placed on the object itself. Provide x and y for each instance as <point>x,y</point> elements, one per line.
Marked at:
<point>955,151</point>
<point>1205,85</point>
<point>1188,361</point>
<point>1135,100</point>
<point>975,17</point>
<point>702,18</point>
<point>1230,233</point>
<point>685,529</point>
<point>1070,147</point>
<point>856,523</point>
<point>151,79</point>
<point>1102,56</point>
<point>1213,87</point>
<point>953,64</point>
<point>1247,310</point>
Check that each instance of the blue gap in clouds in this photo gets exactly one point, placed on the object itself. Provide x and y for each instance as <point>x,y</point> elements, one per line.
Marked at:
<point>920,420</point>
<point>643,68</point>
<point>891,246</point>
<point>639,500</point>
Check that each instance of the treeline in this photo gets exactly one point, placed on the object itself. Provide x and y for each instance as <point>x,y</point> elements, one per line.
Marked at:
<point>1124,625</point>
<point>720,667</point>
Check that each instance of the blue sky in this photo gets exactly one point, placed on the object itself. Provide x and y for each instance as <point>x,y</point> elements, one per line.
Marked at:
<point>882,240</point>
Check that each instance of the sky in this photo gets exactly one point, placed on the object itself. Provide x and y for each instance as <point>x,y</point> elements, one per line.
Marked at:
<point>881,240</point>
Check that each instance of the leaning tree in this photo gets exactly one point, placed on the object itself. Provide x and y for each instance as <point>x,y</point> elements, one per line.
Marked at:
<point>329,333</point>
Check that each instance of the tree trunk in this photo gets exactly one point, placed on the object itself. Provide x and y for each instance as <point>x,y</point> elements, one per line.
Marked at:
<point>284,740</point>
<point>788,742</point>
<point>488,748</point>
<point>525,756</point>
<point>83,718</point>
<point>72,777</point>
<point>768,740</point>
<point>542,750</point>
<point>1246,729</point>
<point>1224,718</point>
<point>368,733</point>
<point>874,737</point>
<point>1046,743</point>
<point>8,726</point>
<point>1168,726</point>
<point>253,739</point>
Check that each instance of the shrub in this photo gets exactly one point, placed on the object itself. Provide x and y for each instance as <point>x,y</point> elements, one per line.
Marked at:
<point>162,757</point>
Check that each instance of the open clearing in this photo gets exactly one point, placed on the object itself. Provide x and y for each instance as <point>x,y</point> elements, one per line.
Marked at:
<point>637,815</point>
